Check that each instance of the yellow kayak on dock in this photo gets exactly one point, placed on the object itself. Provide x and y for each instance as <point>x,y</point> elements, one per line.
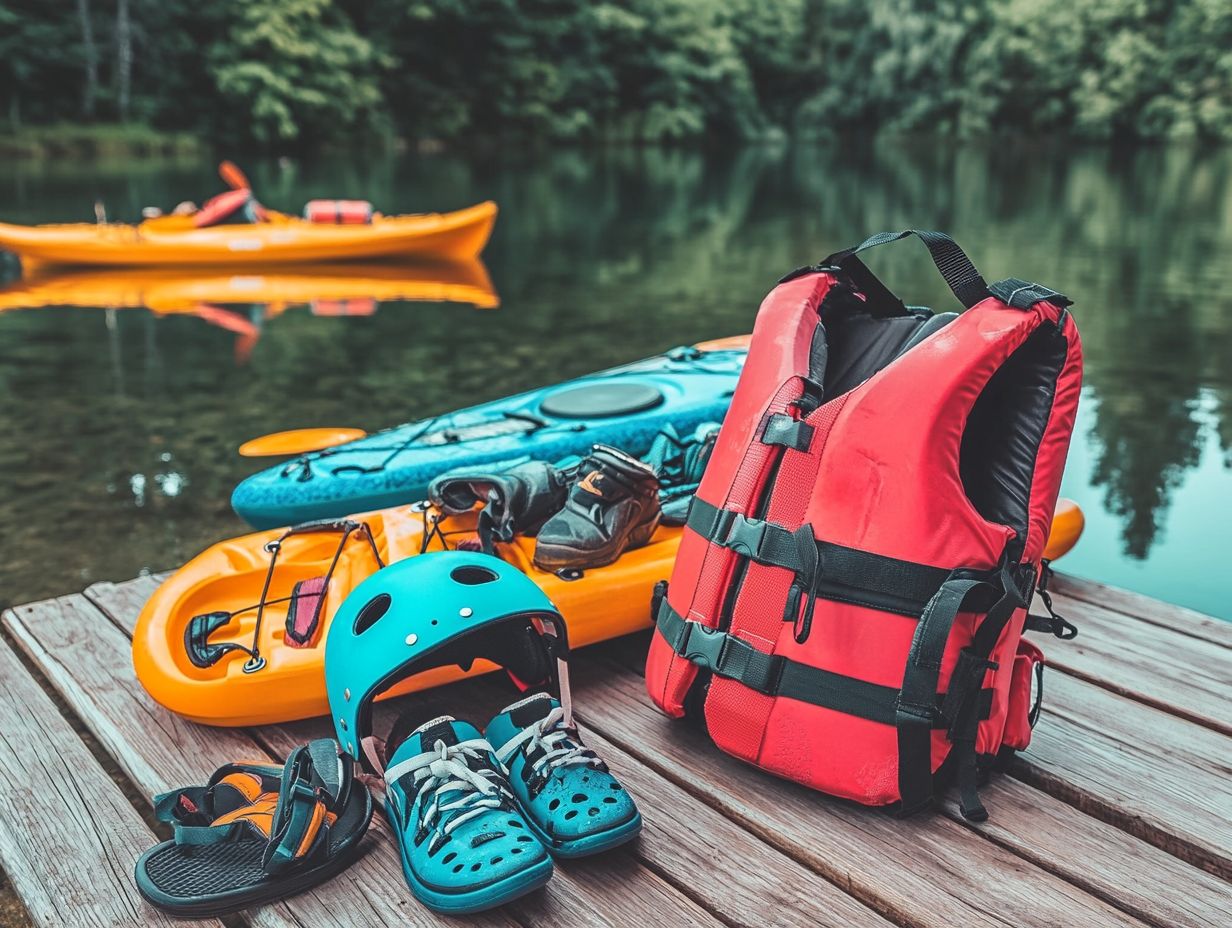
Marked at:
<point>178,241</point>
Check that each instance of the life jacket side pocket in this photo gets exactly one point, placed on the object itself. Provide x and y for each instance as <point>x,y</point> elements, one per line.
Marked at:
<point>1026,695</point>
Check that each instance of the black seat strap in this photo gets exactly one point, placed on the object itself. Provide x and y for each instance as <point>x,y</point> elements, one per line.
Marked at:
<point>729,656</point>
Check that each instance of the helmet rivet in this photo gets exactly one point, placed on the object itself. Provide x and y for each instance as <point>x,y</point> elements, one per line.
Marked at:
<point>466,612</point>
<point>343,723</point>
<point>412,638</point>
<point>346,694</point>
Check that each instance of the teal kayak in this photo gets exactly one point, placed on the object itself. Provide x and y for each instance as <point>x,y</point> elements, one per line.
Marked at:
<point>624,407</point>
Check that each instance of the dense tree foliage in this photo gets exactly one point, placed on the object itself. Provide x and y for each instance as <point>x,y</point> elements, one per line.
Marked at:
<point>294,72</point>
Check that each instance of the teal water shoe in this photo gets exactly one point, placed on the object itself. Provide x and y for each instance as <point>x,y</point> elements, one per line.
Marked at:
<point>465,845</point>
<point>573,803</point>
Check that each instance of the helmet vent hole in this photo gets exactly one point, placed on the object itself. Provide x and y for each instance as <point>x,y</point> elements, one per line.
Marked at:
<point>471,575</point>
<point>373,610</point>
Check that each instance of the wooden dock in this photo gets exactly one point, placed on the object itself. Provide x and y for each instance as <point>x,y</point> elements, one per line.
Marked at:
<point>1119,814</point>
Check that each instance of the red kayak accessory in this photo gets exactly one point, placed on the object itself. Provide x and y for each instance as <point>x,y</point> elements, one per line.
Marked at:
<point>224,206</point>
<point>847,606</point>
<point>339,212</point>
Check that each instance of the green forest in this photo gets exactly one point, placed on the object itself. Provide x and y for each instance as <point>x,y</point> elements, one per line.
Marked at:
<point>286,74</point>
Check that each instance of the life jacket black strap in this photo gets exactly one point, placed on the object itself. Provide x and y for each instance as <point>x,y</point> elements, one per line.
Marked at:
<point>964,280</point>
<point>763,541</point>
<point>822,569</point>
<point>730,656</point>
<point>917,713</point>
<point>788,432</point>
<point>1022,294</point>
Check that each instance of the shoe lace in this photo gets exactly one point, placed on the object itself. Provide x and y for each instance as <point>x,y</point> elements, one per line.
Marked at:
<point>555,742</point>
<point>445,770</point>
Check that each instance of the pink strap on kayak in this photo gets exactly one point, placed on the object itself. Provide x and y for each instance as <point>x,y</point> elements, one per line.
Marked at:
<point>304,612</point>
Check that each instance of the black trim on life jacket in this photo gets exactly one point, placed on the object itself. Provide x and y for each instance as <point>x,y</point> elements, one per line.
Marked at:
<point>916,713</point>
<point>964,280</point>
<point>734,658</point>
<point>822,569</point>
<point>934,595</point>
<point>1022,294</point>
<point>783,430</point>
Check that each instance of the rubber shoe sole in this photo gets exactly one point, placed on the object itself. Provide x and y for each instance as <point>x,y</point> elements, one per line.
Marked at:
<point>482,898</point>
<point>550,556</point>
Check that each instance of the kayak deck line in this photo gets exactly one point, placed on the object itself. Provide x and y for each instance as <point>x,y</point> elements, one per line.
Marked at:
<point>1126,766</point>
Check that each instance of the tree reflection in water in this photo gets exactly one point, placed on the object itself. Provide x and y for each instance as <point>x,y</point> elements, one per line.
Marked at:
<point>600,257</point>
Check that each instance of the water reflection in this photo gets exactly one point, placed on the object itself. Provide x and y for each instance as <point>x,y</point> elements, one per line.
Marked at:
<point>244,302</point>
<point>605,256</point>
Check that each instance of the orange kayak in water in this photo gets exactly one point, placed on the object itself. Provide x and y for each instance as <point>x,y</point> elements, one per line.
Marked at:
<point>184,648</point>
<point>177,241</point>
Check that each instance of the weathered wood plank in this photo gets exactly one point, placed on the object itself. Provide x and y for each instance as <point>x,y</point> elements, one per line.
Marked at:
<point>68,837</point>
<point>1111,863</point>
<point>1146,770</point>
<point>122,602</point>
<point>1159,777</point>
<point>568,900</point>
<point>1105,874</point>
<point>708,857</point>
<point>1165,615</point>
<point>926,871</point>
<point>86,659</point>
<point>1178,673</point>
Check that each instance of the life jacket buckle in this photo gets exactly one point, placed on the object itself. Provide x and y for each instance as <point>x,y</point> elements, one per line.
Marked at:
<point>741,534</point>
<point>704,646</point>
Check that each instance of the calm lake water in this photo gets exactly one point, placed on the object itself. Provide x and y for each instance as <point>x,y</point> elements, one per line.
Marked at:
<point>120,427</point>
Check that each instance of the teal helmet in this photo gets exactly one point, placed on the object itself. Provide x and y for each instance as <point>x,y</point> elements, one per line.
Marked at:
<point>435,610</point>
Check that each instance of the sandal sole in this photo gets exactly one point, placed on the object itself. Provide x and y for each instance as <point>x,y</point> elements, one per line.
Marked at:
<point>209,906</point>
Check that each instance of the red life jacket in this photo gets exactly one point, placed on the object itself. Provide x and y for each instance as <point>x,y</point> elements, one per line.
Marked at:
<point>847,605</point>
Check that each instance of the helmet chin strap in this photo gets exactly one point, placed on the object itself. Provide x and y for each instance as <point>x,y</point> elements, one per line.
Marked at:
<point>566,697</point>
<point>561,652</point>
<point>371,747</point>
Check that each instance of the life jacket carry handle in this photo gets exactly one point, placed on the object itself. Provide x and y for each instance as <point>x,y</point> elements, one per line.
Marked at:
<point>964,280</point>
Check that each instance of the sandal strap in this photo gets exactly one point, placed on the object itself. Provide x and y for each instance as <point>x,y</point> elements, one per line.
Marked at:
<point>316,782</point>
<point>313,787</point>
